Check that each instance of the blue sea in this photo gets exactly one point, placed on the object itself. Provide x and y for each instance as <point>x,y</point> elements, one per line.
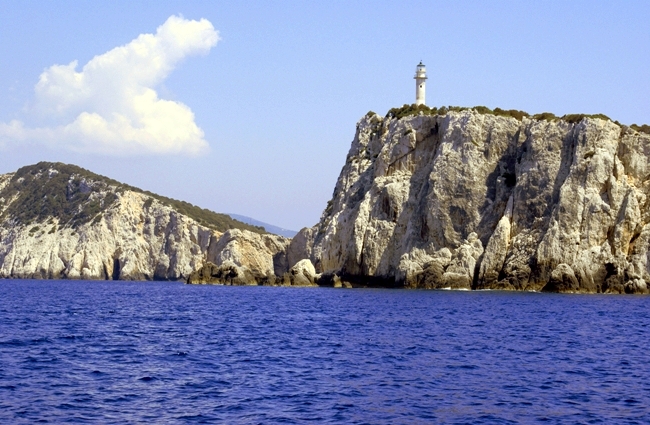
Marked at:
<point>161,352</point>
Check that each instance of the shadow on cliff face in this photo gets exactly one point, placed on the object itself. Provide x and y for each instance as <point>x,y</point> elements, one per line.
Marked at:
<point>535,195</point>
<point>500,183</point>
<point>411,221</point>
<point>412,225</point>
<point>541,270</point>
<point>116,269</point>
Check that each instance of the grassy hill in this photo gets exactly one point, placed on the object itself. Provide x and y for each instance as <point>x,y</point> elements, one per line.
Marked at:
<point>76,196</point>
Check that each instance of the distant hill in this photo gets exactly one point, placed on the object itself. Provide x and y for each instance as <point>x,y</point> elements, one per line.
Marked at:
<point>268,227</point>
<point>59,221</point>
<point>75,196</point>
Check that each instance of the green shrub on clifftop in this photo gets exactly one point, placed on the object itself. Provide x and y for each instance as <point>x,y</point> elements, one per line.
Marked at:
<point>545,116</point>
<point>645,128</point>
<point>576,118</point>
<point>514,113</point>
<point>410,110</point>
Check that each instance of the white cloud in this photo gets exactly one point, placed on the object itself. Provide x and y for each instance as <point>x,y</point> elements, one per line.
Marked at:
<point>111,107</point>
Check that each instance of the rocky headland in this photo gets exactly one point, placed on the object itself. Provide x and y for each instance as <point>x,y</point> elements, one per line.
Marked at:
<point>473,199</point>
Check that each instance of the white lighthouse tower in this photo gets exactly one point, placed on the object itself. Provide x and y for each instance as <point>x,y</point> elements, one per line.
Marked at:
<point>420,83</point>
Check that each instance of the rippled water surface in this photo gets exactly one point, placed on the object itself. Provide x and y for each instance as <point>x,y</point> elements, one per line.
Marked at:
<point>126,352</point>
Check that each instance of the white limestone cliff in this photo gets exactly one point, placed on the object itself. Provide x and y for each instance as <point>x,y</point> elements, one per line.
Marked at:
<point>130,241</point>
<point>474,200</point>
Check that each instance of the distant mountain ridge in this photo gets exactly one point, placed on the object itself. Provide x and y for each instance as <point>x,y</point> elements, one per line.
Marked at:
<point>268,227</point>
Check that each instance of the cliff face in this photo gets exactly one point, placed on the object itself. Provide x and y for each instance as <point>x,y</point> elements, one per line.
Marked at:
<point>478,201</point>
<point>58,221</point>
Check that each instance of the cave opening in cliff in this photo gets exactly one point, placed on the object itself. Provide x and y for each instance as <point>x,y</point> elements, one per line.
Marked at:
<point>510,179</point>
<point>116,269</point>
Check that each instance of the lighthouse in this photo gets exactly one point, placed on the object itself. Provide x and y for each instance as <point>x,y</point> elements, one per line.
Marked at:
<point>420,83</point>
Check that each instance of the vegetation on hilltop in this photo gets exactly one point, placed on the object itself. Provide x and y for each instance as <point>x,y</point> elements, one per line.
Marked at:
<point>76,196</point>
<point>645,128</point>
<point>410,110</point>
<point>570,118</point>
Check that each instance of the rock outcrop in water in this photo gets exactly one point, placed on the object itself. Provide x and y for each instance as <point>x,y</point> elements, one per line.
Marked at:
<point>249,259</point>
<point>60,221</point>
<point>477,201</point>
<point>244,258</point>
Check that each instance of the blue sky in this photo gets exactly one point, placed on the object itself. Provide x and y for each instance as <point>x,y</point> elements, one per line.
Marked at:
<point>276,99</point>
